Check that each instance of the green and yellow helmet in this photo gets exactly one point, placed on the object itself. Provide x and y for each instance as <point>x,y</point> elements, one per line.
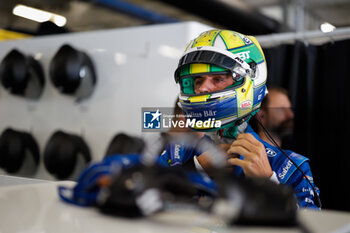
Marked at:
<point>218,52</point>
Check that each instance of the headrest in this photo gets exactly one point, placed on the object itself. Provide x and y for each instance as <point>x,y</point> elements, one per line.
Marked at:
<point>22,75</point>
<point>13,147</point>
<point>61,154</point>
<point>72,72</point>
<point>125,144</point>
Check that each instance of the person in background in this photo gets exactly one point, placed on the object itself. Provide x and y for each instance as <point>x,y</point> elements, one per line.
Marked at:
<point>276,115</point>
<point>222,77</point>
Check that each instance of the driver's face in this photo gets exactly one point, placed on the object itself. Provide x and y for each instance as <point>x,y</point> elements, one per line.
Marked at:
<point>211,83</point>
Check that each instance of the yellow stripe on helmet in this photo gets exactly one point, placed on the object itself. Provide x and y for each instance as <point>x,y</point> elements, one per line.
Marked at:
<point>231,40</point>
<point>201,98</point>
<point>199,68</point>
<point>206,39</point>
<point>245,93</point>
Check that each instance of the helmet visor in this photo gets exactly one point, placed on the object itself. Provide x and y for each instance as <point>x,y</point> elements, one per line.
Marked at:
<point>223,61</point>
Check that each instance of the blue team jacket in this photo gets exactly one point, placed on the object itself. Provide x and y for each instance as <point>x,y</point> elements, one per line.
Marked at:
<point>287,173</point>
<point>86,191</point>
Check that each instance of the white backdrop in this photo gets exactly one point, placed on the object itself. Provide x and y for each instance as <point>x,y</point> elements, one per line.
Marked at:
<point>134,67</point>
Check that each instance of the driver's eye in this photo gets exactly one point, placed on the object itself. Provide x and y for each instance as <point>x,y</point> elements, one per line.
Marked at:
<point>198,81</point>
<point>218,79</point>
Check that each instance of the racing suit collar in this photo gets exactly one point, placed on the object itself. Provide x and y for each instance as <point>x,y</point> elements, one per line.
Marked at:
<point>228,135</point>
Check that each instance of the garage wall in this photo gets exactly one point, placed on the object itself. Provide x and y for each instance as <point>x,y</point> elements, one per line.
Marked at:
<point>134,67</point>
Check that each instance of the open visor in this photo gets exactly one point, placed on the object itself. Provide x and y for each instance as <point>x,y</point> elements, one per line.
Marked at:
<point>211,56</point>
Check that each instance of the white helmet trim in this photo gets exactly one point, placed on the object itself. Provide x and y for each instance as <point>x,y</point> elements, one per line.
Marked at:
<point>221,51</point>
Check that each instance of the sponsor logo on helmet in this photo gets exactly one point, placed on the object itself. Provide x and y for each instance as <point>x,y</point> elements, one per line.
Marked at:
<point>246,39</point>
<point>244,55</point>
<point>246,104</point>
<point>270,152</point>
<point>239,60</point>
<point>285,170</point>
<point>209,113</point>
<point>261,93</point>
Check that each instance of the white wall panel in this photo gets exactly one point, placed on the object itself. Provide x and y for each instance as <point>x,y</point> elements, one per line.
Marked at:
<point>134,67</point>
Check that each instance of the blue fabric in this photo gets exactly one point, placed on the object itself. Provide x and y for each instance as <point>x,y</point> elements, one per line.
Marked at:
<point>87,189</point>
<point>285,170</point>
<point>288,174</point>
<point>176,155</point>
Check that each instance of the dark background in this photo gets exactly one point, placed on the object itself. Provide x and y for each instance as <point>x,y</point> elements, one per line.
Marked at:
<point>317,78</point>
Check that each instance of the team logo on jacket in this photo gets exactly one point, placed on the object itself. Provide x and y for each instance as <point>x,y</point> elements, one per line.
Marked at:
<point>285,170</point>
<point>270,152</point>
<point>310,178</point>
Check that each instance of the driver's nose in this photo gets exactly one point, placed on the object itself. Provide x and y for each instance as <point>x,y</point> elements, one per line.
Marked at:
<point>205,86</point>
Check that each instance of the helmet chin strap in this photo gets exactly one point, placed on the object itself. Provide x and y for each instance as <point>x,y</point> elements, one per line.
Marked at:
<point>230,132</point>
<point>238,127</point>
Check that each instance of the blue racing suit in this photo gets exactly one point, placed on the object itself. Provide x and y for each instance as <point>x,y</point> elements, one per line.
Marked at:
<point>86,191</point>
<point>287,173</point>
